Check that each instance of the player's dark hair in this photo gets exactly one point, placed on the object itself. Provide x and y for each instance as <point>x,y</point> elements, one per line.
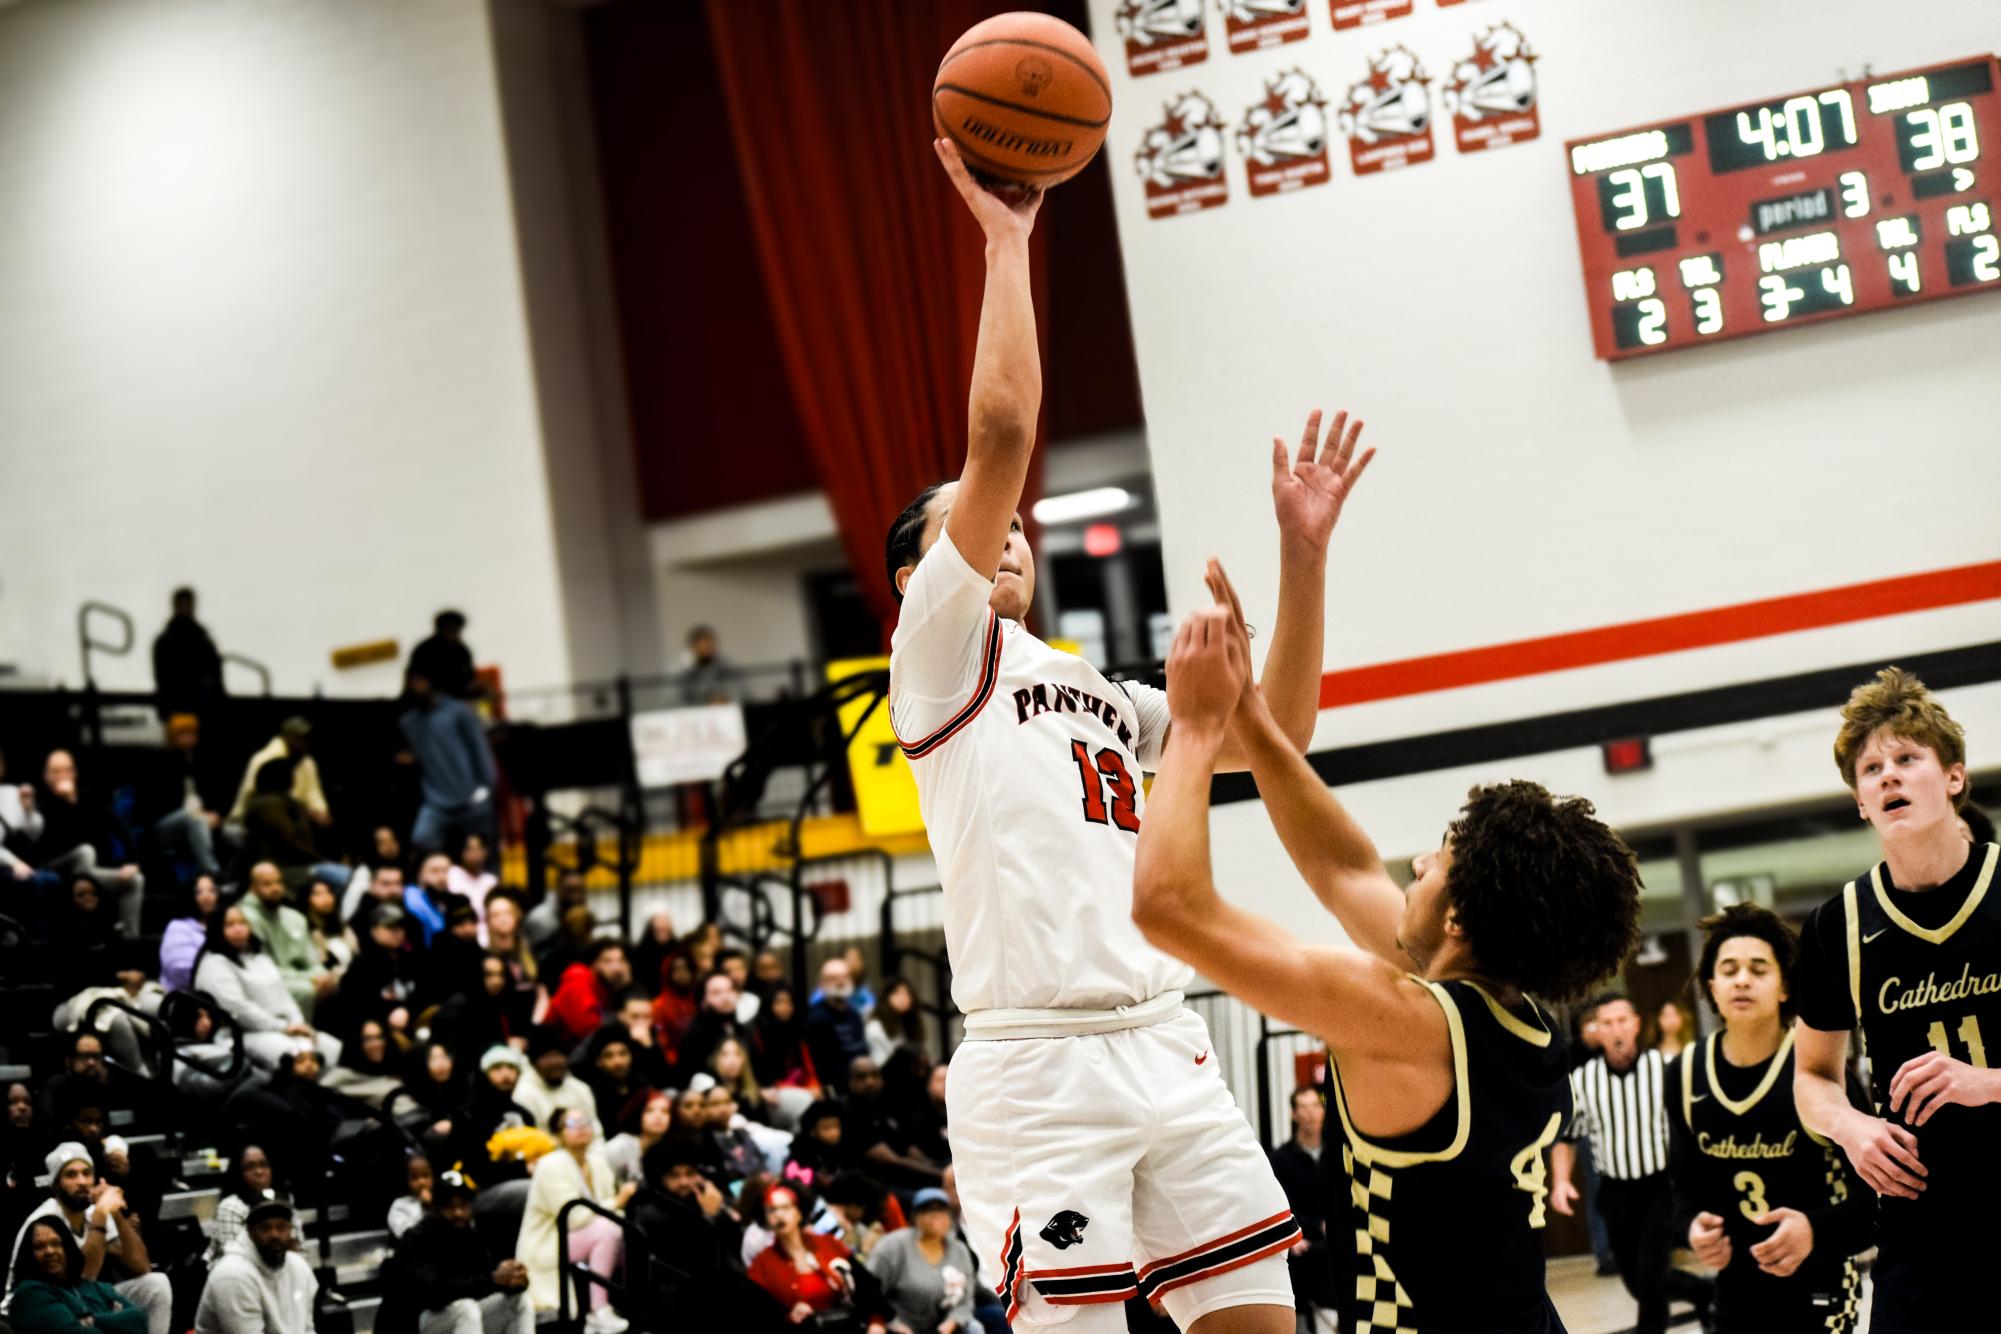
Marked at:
<point>1610,996</point>
<point>1759,923</point>
<point>906,537</point>
<point>1979,821</point>
<point>1547,893</point>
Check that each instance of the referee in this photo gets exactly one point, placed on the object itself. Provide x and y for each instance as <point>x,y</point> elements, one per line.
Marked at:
<point>1619,1104</point>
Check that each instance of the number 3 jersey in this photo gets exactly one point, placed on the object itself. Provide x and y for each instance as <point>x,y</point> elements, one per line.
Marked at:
<point>1736,1149</point>
<point>1028,764</point>
<point>1916,973</point>
<point>1445,1224</point>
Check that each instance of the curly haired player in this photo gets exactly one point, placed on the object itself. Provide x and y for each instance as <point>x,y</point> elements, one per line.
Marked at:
<point>1100,1155</point>
<point>1448,1081</point>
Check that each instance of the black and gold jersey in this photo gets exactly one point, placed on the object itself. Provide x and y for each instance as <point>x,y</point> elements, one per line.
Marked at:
<point>1738,1150</point>
<point>1445,1223</point>
<point>1916,973</point>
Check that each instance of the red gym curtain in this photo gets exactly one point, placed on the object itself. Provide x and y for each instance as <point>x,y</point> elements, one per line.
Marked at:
<point>874,265</point>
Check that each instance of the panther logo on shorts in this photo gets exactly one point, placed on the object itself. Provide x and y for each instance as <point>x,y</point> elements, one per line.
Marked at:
<point>1066,1229</point>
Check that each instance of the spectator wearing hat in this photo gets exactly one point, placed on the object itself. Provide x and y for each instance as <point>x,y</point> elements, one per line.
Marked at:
<point>926,1272</point>
<point>490,1109</point>
<point>105,1232</point>
<point>454,767</point>
<point>52,1296</point>
<point>294,742</point>
<point>250,1183</point>
<point>445,1276</point>
<point>262,1285</point>
<point>806,1272</point>
<point>549,1085</point>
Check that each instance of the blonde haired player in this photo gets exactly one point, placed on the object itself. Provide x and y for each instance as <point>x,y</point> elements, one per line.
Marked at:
<point>1099,1154</point>
<point>1910,954</point>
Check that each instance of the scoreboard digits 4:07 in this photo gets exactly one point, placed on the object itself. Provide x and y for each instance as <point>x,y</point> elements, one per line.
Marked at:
<point>1793,209</point>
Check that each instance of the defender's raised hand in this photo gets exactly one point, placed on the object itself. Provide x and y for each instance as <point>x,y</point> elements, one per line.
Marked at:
<point>1308,491</point>
<point>1206,671</point>
<point>1225,596</point>
<point>1000,217</point>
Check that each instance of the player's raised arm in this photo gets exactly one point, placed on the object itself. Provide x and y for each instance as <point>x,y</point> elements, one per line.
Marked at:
<point>1308,491</point>
<point>1007,375</point>
<point>1359,1003</point>
<point>1335,856</point>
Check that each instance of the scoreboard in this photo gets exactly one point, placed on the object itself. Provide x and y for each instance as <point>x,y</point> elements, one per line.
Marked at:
<point>1791,209</point>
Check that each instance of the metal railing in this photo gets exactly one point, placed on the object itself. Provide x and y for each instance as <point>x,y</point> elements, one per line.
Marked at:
<point>85,643</point>
<point>894,953</point>
<point>579,1272</point>
<point>159,1029</point>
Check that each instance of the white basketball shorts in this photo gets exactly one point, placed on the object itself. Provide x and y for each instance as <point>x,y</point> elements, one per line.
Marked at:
<point>1099,1167</point>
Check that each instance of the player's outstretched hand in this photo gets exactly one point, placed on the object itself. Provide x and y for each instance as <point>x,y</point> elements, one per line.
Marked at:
<point>1206,670</point>
<point>1786,1249</point>
<point>1309,491</point>
<point>1926,1083</point>
<point>1012,216</point>
<point>1886,1157</point>
<point>1709,1241</point>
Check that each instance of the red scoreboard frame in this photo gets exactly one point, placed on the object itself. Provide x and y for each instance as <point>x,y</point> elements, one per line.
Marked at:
<point>1789,210</point>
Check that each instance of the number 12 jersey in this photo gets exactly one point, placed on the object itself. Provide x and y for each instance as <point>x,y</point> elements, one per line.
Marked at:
<point>1028,763</point>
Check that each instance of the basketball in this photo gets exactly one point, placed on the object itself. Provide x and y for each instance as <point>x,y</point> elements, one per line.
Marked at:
<point>1024,97</point>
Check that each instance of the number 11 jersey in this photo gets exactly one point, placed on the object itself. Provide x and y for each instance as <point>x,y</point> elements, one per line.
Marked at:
<point>1028,764</point>
<point>1917,973</point>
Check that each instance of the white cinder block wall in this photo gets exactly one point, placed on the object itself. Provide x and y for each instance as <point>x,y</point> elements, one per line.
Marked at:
<point>263,330</point>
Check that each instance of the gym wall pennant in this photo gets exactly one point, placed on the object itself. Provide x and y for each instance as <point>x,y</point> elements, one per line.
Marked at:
<point>1180,160</point>
<point>1162,35</point>
<point>1257,25</point>
<point>1492,95</point>
<point>1355,13</point>
<point>1284,137</point>
<point>1387,116</point>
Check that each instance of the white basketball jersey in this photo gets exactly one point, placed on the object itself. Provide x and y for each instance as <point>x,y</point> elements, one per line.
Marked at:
<point>1028,764</point>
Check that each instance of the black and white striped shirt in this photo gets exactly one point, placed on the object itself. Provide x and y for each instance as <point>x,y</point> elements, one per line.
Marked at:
<point>1625,1115</point>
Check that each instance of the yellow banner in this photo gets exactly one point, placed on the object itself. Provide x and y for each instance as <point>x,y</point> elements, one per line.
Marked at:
<point>885,790</point>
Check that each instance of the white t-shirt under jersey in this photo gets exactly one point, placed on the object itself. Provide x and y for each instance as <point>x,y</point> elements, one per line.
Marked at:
<point>1028,765</point>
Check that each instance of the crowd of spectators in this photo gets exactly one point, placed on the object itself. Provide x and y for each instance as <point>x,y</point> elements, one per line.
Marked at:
<point>442,1050</point>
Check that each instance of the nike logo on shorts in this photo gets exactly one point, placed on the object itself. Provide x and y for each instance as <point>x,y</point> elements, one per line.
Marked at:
<point>1203,1057</point>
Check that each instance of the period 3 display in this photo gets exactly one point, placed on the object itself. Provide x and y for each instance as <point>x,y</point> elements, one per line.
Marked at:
<point>1791,209</point>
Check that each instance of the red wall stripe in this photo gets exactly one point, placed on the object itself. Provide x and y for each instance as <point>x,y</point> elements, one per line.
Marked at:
<point>1664,634</point>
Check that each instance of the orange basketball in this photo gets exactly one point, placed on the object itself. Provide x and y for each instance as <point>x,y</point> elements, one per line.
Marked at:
<point>1024,97</point>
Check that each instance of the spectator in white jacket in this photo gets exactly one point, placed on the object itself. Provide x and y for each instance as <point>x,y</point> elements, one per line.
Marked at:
<point>262,1285</point>
<point>245,982</point>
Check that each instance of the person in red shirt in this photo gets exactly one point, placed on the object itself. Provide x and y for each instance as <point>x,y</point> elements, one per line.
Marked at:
<point>590,990</point>
<point>806,1272</point>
